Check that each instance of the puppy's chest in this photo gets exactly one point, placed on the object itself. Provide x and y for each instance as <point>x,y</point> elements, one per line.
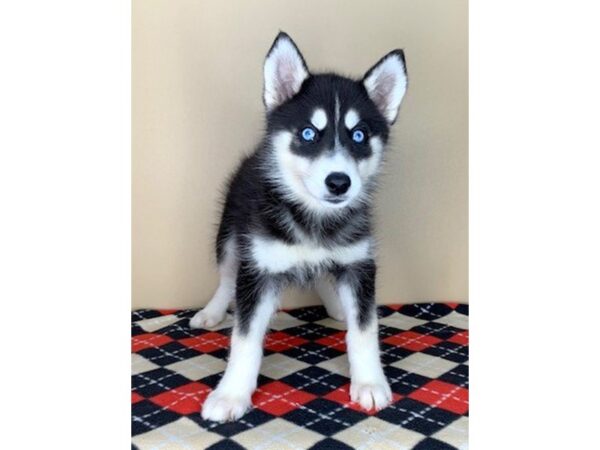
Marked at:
<point>275,256</point>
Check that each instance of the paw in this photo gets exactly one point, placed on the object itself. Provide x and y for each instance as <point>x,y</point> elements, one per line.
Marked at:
<point>221,407</point>
<point>206,319</point>
<point>371,395</point>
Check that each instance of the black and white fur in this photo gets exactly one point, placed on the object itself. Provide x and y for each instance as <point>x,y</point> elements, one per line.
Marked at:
<point>286,220</point>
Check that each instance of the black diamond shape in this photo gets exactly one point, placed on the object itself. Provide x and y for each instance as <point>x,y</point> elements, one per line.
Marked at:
<point>330,444</point>
<point>315,380</point>
<point>439,330</point>
<point>168,354</point>
<point>251,419</point>
<point>212,380</point>
<point>312,353</point>
<point>384,311</point>
<point>417,416</point>
<point>450,351</point>
<point>262,380</point>
<point>426,311</point>
<point>180,330</point>
<point>311,331</point>
<point>221,353</point>
<point>155,381</point>
<point>324,416</point>
<point>459,376</point>
<point>392,353</point>
<point>226,444</point>
<point>146,416</point>
<point>309,314</point>
<point>136,329</point>
<point>385,331</point>
<point>433,444</point>
<point>403,382</point>
<point>187,313</point>
<point>463,309</point>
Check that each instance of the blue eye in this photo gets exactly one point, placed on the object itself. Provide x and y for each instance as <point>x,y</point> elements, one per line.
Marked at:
<point>308,134</point>
<point>358,136</point>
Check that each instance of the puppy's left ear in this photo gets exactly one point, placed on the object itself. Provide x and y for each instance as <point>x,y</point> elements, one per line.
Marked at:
<point>285,71</point>
<point>386,84</point>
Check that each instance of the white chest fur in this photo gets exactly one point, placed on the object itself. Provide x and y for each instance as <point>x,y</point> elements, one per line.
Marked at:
<point>276,257</point>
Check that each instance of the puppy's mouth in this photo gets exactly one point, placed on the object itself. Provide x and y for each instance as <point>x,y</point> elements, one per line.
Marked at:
<point>336,202</point>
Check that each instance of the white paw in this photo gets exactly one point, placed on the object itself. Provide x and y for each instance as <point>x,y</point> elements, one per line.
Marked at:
<point>221,407</point>
<point>206,319</point>
<point>376,394</point>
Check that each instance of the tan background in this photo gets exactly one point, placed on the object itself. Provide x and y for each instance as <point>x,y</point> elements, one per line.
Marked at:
<point>197,85</point>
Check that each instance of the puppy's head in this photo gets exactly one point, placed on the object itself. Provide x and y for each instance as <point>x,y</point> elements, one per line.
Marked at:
<point>326,132</point>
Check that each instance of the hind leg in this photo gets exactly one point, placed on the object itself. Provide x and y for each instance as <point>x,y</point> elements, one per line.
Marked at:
<point>325,287</point>
<point>214,312</point>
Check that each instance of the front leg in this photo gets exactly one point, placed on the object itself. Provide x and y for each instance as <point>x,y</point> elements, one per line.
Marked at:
<point>356,289</point>
<point>256,301</point>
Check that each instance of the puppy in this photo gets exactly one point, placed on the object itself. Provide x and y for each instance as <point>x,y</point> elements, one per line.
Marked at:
<point>298,210</point>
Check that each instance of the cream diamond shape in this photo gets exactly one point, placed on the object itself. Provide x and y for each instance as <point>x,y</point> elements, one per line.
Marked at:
<point>277,434</point>
<point>339,365</point>
<point>401,321</point>
<point>455,319</point>
<point>156,323</point>
<point>374,433</point>
<point>278,365</point>
<point>423,364</point>
<point>456,434</point>
<point>284,320</point>
<point>139,364</point>
<point>181,434</point>
<point>198,367</point>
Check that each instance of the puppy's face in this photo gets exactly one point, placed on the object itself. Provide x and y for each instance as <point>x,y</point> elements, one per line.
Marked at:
<point>327,133</point>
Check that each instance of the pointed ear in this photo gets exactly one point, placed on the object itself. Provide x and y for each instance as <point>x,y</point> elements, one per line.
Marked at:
<point>386,84</point>
<point>285,71</point>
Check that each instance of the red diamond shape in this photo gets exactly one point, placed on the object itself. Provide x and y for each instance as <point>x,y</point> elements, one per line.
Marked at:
<point>135,397</point>
<point>278,398</point>
<point>443,395</point>
<point>394,307</point>
<point>412,341</point>
<point>342,396</point>
<point>185,399</point>
<point>336,341</point>
<point>147,340</point>
<point>208,342</point>
<point>279,341</point>
<point>461,338</point>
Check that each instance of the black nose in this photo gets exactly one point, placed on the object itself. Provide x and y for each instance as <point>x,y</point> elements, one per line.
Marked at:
<point>337,183</point>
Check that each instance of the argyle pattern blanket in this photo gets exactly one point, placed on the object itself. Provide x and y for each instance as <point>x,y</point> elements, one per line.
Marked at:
<point>302,400</point>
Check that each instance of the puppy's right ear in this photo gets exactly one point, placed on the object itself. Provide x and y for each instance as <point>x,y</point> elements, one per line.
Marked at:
<point>386,84</point>
<point>284,71</point>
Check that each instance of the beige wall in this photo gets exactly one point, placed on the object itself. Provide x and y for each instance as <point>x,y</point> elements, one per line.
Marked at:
<point>197,84</point>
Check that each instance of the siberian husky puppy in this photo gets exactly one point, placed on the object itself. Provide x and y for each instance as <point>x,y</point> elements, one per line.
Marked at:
<point>298,211</point>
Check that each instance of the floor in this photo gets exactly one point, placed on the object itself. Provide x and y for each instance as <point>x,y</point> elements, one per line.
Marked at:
<point>302,400</point>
